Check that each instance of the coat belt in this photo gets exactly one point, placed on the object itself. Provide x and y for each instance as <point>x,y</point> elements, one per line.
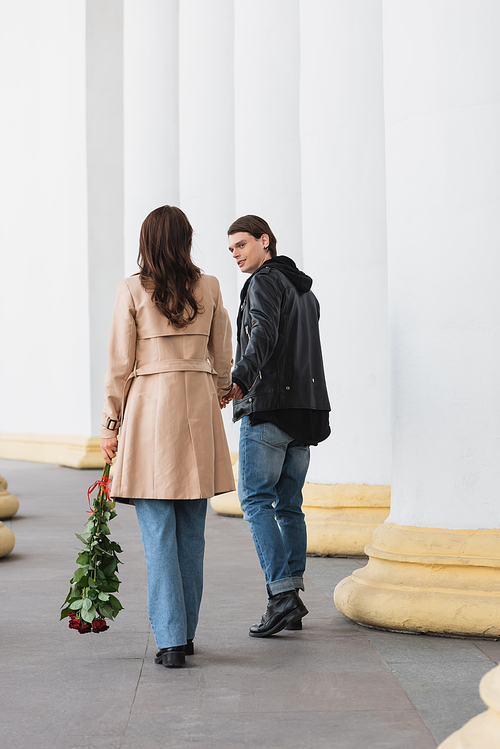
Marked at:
<point>173,365</point>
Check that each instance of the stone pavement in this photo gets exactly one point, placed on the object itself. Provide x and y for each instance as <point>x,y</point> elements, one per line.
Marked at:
<point>335,685</point>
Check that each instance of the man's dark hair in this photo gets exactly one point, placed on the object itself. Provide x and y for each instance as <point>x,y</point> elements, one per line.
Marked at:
<point>255,226</point>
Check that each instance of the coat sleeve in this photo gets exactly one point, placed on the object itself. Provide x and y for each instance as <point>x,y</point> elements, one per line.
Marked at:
<point>220,350</point>
<point>264,310</point>
<point>121,360</point>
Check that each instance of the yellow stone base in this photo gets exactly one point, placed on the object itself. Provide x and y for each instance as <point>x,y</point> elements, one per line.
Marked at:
<point>427,580</point>
<point>65,450</point>
<point>7,540</point>
<point>483,731</point>
<point>9,505</point>
<point>340,518</point>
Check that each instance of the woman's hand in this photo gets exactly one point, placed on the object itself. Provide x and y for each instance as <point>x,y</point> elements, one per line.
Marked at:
<point>109,448</point>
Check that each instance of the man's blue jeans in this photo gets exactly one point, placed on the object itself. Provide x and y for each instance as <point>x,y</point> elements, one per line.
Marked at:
<point>173,536</point>
<point>272,471</point>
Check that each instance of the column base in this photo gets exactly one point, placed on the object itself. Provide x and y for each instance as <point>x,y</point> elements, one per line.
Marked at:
<point>7,540</point>
<point>9,505</point>
<point>483,731</point>
<point>340,518</point>
<point>65,450</point>
<point>428,581</point>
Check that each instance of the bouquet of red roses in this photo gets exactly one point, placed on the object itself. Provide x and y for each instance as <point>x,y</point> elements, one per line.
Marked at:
<point>90,600</point>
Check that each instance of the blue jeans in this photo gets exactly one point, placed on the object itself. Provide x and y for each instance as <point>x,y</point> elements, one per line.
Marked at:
<point>272,471</point>
<point>173,536</point>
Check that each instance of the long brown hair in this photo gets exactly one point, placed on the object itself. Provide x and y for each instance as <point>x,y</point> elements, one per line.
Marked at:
<point>167,271</point>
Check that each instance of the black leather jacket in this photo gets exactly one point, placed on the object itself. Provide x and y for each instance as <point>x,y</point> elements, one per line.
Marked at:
<point>278,358</point>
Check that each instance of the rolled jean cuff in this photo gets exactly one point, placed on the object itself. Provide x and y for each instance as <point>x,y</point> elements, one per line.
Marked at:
<point>280,586</point>
<point>298,583</point>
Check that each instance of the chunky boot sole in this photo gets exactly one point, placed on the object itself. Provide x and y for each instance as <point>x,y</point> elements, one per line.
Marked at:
<point>292,616</point>
<point>294,626</point>
<point>171,659</point>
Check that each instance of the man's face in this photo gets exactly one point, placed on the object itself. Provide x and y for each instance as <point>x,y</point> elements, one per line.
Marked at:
<point>249,252</point>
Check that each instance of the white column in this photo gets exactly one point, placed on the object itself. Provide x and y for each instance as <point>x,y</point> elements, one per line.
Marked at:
<point>104,69</point>
<point>434,566</point>
<point>443,194</point>
<point>206,144</point>
<point>45,379</point>
<point>267,139</point>
<point>343,215</point>
<point>151,114</point>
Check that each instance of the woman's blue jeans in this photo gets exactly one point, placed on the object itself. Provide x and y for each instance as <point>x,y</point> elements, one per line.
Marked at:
<point>272,471</point>
<point>173,536</point>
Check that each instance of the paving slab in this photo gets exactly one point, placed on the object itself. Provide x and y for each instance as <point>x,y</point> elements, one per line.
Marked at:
<point>334,684</point>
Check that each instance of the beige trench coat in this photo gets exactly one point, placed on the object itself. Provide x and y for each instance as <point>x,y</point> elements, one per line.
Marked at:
<point>162,391</point>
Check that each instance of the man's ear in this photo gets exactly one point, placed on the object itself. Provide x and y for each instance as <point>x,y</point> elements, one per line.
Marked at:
<point>265,241</point>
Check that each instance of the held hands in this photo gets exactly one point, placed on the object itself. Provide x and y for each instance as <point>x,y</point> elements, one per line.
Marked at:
<point>109,448</point>
<point>236,394</point>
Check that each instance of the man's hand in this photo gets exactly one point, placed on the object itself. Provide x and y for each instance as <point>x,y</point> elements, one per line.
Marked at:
<point>109,448</point>
<point>236,392</point>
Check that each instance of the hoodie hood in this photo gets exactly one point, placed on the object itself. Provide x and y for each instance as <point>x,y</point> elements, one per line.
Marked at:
<point>285,265</point>
<point>300,280</point>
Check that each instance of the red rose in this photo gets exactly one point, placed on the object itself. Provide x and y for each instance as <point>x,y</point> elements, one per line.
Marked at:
<point>78,624</point>
<point>99,625</point>
<point>74,622</point>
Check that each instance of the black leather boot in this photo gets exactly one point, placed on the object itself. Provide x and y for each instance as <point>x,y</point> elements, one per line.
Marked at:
<point>282,609</point>
<point>189,648</point>
<point>295,626</point>
<point>171,657</point>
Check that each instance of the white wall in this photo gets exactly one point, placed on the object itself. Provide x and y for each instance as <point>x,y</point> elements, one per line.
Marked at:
<point>442,94</point>
<point>44,312</point>
<point>343,208</point>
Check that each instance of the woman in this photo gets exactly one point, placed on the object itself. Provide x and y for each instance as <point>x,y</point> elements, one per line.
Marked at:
<point>169,373</point>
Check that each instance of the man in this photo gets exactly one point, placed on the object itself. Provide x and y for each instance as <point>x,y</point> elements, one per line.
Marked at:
<point>280,395</point>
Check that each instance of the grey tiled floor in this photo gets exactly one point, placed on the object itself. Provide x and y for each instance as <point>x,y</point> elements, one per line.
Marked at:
<point>334,685</point>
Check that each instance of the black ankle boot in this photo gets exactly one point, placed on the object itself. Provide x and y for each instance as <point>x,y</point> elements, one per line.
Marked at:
<point>282,609</point>
<point>189,648</point>
<point>295,626</point>
<point>171,657</point>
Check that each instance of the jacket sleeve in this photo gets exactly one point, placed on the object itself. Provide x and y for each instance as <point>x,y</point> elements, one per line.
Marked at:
<point>121,360</point>
<point>220,350</point>
<point>264,309</point>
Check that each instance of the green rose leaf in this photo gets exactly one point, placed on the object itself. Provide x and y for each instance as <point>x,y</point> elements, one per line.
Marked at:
<point>87,603</point>
<point>89,615</point>
<point>106,611</point>
<point>76,605</point>
<point>83,558</point>
<point>92,583</point>
<point>81,538</point>
<point>103,596</point>
<point>81,572</point>
<point>115,603</point>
